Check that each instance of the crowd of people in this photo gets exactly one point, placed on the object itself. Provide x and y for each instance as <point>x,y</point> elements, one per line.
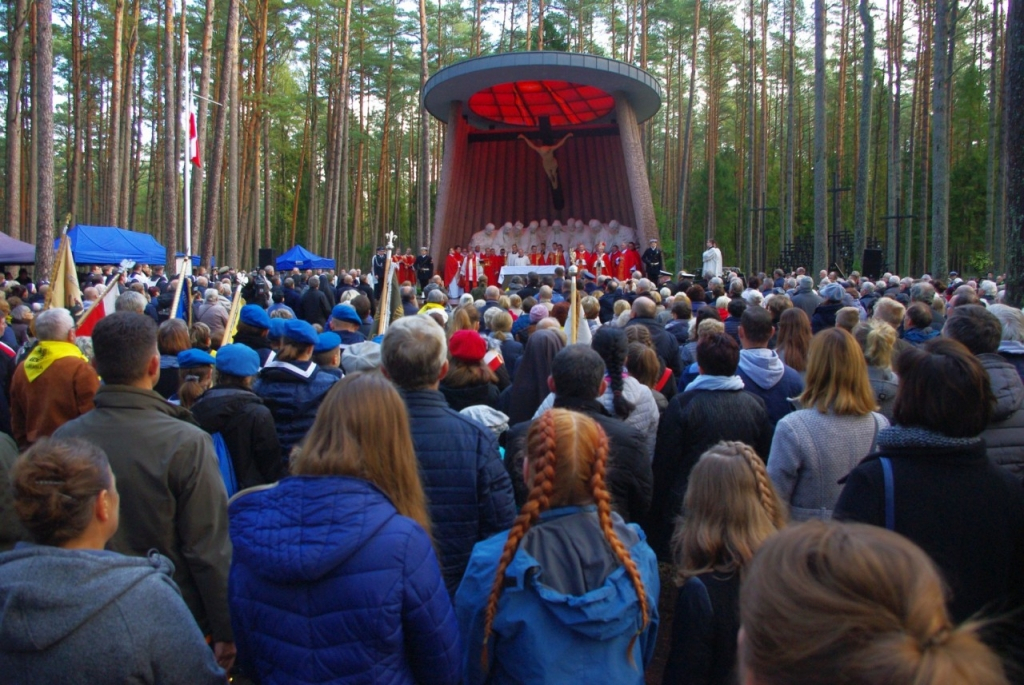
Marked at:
<point>739,478</point>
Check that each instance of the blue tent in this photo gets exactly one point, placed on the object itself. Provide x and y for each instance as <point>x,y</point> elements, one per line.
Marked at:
<point>106,245</point>
<point>302,258</point>
<point>13,251</point>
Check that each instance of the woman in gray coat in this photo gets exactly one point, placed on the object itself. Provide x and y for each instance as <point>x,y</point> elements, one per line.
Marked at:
<point>814,447</point>
<point>876,338</point>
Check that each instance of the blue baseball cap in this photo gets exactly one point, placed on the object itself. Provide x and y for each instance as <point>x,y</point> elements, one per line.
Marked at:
<point>238,360</point>
<point>299,331</point>
<point>326,342</point>
<point>347,313</point>
<point>190,359</point>
<point>277,328</point>
<point>255,316</point>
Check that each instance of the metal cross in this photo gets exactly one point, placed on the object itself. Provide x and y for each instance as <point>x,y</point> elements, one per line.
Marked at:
<point>390,235</point>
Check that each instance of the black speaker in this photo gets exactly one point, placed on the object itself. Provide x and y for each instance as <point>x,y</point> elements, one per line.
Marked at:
<point>267,257</point>
<point>872,263</point>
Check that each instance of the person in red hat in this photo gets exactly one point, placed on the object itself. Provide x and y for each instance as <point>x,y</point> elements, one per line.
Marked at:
<point>469,380</point>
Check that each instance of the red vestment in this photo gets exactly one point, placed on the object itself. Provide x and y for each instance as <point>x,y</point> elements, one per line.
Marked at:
<point>630,263</point>
<point>451,268</point>
<point>491,264</point>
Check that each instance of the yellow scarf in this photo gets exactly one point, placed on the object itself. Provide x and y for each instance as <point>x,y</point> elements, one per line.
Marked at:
<point>47,352</point>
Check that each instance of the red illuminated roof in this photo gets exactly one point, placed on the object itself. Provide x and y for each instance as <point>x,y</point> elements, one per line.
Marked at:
<point>523,103</point>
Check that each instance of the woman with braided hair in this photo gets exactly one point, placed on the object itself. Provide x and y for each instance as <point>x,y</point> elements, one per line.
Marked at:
<point>569,594</point>
<point>731,507</point>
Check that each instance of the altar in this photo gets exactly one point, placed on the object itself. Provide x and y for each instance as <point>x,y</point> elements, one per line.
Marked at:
<point>508,272</point>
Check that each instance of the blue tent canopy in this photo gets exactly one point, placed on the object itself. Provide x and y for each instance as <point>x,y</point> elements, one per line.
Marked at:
<point>302,258</point>
<point>107,245</point>
<point>14,251</point>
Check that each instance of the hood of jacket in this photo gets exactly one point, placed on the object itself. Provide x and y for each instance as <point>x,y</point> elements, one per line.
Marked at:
<point>218,405</point>
<point>47,593</point>
<point>762,366</point>
<point>598,614</point>
<point>1006,386</point>
<point>304,527</point>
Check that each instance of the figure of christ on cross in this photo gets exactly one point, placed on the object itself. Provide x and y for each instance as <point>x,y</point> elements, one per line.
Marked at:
<point>547,157</point>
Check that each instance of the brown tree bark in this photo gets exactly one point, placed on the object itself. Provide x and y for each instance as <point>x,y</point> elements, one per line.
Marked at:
<point>12,187</point>
<point>42,134</point>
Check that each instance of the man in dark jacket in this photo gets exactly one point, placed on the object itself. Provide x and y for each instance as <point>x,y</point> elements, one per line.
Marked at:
<point>980,332</point>
<point>292,298</point>
<point>171,489</point>
<point>654,261</point>
<point>424,266</point>
<point>577,379</point>
<point>644,311</point>
<point>763,373</point>
<point>469,493</point>
<point>315,306</point>
<point>714,408</point>
<point>612,294</point>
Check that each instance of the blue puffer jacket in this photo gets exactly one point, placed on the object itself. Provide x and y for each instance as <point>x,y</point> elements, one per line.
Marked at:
<point>568,610</point>
<point>293,392</point>
<point>330,584</point>
<point>469,492</point>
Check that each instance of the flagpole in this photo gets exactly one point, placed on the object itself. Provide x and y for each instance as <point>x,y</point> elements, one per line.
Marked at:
<point>187,140</point>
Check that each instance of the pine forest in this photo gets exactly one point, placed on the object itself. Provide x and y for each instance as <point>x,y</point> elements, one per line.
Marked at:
<point>781,121</point>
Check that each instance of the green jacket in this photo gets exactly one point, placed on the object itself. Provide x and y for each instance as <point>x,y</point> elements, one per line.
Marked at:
<point>172,496</point>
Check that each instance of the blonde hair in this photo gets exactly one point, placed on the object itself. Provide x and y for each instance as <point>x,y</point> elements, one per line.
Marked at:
<point>620,307</point>
<point>826,598</point>
<point>709,327</point>
<point>837,376</point>
<point>876,338</point>
<point>731,508</point>
<point>566,456</point>
<point>368,439</point>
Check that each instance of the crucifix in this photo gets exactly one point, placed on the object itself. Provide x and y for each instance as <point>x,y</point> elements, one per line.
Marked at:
<point>834,240</point>
<point>760,258</point>
<point>390,235</point>
<point>898,218</point>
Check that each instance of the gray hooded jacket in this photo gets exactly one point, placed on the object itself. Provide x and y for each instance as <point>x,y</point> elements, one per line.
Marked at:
<point>83,616</point>
<point>1004,436</point>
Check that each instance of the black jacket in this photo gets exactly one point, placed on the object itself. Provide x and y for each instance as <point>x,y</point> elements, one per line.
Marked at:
<point>665,344</point>
<point>315,307</point>
<point>654,261</point>
<point>292,298</point>
<point>248,430</point>
<point>694,422</point>
<point>471,395</point>
<point>630,481</point>
<point>825,316</point>
<point>951,500</point>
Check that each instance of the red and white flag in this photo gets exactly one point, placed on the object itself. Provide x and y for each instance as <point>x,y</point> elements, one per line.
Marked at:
<point>193,141</point>
<point>97,311</point>
<point>493,360</point>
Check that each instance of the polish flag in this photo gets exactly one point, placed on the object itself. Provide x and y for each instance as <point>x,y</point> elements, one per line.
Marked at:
<point>97,311</point>
<point>493,360</point>
<point>193,141</point>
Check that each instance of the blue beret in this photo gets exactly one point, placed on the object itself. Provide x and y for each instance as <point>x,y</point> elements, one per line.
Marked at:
<point>326,342</point>
<point>190,359</point>
<point>277,328</point>
<point>238,360</point>
<point>255,316</point>
<point>300,332</point>
<point>346,312</point>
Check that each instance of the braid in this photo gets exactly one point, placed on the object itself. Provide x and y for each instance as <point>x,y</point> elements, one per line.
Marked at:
<point>612,347</point>
<point>765,489</point>
<point>604,514</point>
<point>542,444</point>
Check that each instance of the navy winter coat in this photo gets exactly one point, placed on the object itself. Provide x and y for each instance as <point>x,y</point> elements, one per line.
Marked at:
<point>330,584</point>
<point>292,391</point>
<point>468,491</point>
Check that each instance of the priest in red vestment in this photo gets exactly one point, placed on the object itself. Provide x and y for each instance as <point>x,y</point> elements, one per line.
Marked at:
<point>452,266</point>
<point>631,261</point>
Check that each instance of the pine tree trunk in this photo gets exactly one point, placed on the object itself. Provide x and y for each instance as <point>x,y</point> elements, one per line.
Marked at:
<point>12,187</point>
<point>1014,127</point>
<point>112,201</point>
<point>683,194</point>
<point>42,134</point>
<point>422,176</point>
<point>942,51</point>
<point>229,64</point>
<point>860,218</point>
<point>821,256</point>
<point>993,128</point>
<point>789,214</point>
<point>170,151</point>
<point>202,108</point>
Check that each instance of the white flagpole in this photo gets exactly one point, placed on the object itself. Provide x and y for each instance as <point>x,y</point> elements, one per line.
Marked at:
<point>187,175</point>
